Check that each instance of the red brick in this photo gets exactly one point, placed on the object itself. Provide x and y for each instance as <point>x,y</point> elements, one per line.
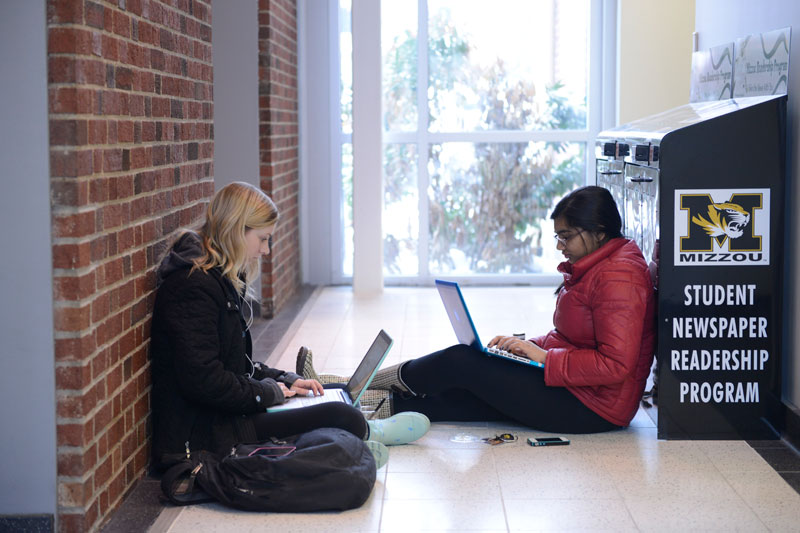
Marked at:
<point>75,435</point>
<point>97,132</point>
<point>76,462</point>
<point>102,502</point>
<point>140,461</point>
<point>125,130</point>
<point>147,32</point>
<point>94,15</point>
<point>71,318</point>
<point>74,288</point>
<point>69,132</point>
<point>114,379</point>
<point>72,377</point>
<point>108,20</point>
<point>69,100</point>
<point>109,329</point>
<point>70,40</point>
<point>91,515</point>
<point>102,419</point>
<point>109,47</point>
<point>112,272</point>
<point>112,159</point>
<point>64,163</point>
<point>87,71</point>
<point>100,364</point>
<point>122,24</point>
<point>112,215</point>
<point>68,192</point>
<point>74,494</point>
<point>74,348</point>
<point>64,12</point>
<point>116,488</point>
<point>101,308</point>
<point>61,69</point>
<point>127,343</point>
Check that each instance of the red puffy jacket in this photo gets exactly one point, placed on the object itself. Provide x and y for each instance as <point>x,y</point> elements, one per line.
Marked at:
<point>603,343</point>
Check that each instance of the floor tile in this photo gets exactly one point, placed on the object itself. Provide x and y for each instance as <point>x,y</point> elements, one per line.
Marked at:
<point>734,456</point>
<point>530,483</point>
<point>405,516</point>
<point>658,513</point>
<point>563,515</point>
<point>214,518</point>
<point>569,460</point>
<point>665,456</point>
<point>763,487</point>
<point>421,458</point>
<point>773,500</point>
<point>473,485</point>
<point>702,485</point>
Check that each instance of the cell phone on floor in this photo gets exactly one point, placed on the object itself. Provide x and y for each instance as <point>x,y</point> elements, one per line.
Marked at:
<point>548,441</point>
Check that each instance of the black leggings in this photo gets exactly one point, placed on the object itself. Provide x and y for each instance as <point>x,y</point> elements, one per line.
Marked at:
<point>462,384</point>
<point>301,420</point>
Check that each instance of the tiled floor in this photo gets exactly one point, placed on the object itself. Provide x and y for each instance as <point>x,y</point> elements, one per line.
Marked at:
<point>622,481</point>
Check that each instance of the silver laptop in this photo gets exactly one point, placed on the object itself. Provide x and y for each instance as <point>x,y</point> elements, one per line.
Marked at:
<point>351,393</point>
<point>462,323</point>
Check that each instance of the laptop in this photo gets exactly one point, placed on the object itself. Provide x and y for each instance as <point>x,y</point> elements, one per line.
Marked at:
<point>360,380</point>
<point>462,323</point>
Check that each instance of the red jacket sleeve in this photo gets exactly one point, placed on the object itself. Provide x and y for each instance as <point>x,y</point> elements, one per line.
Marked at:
<point>616,306</point>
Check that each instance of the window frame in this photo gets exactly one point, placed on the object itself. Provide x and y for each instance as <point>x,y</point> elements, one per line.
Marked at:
<point>601,114</point>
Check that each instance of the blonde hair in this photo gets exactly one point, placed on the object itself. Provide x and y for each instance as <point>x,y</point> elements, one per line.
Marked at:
<point>233,210</point>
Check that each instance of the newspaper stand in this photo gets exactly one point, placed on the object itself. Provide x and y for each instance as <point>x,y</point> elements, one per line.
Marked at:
<point>703,192</point>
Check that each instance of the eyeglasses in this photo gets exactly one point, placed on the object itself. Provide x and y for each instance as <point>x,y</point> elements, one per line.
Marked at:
<point>565,240</point>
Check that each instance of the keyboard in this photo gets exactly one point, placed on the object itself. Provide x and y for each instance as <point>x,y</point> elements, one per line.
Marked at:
<point>331,395</point>
<point>508,355</point>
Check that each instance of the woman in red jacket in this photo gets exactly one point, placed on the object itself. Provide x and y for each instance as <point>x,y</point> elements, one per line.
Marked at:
<point>597,358</point>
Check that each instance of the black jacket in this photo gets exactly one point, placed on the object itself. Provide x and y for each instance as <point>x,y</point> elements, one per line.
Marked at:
<point>204,386</point>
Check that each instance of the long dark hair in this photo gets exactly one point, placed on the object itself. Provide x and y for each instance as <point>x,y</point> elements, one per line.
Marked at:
<point>592,209</point>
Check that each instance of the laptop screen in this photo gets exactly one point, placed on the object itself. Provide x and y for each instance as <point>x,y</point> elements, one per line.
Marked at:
<point>457,312</point>
<point>369,365</point>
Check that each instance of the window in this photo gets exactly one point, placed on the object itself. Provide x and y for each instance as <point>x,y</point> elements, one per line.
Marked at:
<point>487,115</point>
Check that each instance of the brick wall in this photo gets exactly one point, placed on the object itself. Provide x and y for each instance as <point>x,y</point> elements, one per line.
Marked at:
<point>278,131</point>
<point>130,102</point>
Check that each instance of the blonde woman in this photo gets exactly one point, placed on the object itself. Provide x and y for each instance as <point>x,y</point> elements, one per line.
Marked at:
<point>208,393</point>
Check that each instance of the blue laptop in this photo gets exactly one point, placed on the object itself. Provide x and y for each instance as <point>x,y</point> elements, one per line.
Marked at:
<point>462,323</point>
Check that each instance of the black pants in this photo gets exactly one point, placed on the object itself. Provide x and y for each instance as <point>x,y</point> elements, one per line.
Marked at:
<point>462,384</point>
<point>325,415</point>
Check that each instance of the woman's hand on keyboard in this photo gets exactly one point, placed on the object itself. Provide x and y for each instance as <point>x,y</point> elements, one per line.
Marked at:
<point>518,346</point>
<point>286,392</point>
<point>307,387</point>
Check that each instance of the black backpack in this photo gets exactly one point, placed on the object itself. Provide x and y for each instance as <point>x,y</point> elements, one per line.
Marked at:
<point>322,470</point>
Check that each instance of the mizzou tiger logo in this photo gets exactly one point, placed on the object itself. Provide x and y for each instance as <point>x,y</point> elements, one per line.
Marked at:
<point>722,227</point>
<point>724,219</point>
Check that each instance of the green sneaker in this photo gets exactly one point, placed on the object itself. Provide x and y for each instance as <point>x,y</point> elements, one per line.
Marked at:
<point>401,428</point>
<point>379,451</point>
